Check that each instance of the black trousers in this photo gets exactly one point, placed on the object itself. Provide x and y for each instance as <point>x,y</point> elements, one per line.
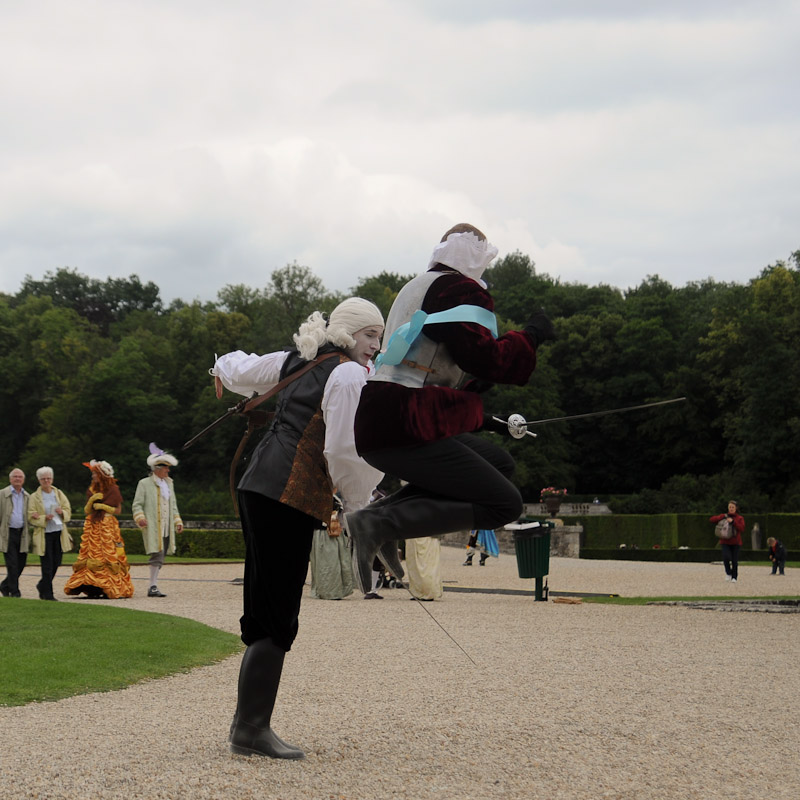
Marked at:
<point>15,563</point>
<point>51,561</point>
<point>730,559</point>
<point>278,545</point>
<point>464,468</point>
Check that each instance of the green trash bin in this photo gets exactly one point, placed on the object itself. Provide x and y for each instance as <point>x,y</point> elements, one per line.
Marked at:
<point>532,546</point>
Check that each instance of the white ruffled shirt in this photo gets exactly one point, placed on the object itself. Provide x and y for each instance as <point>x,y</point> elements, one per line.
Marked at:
<point>352,477</point>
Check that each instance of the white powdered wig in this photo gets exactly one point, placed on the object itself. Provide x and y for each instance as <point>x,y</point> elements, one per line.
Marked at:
<point>347,318</point>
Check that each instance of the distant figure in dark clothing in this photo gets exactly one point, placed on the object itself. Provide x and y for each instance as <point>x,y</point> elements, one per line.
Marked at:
<point>777,555</point>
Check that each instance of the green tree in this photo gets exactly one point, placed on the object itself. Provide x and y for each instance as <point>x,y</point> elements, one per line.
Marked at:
<point>44,346</point>
<point>100,302</point>
<point>751,353</point>
<point>381,289</point>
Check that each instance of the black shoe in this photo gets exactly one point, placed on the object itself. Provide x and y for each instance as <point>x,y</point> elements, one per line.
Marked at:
<point>153,592</point>
<point>4,591</point>
<point>373,596</point>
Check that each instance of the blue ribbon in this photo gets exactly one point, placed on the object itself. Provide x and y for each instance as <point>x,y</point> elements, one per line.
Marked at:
<point>402,339</point>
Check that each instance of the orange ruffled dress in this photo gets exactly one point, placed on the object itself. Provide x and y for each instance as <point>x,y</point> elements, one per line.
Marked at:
<point>101,569</point>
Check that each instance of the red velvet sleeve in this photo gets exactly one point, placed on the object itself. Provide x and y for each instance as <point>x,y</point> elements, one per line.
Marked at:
<point>509,359</point>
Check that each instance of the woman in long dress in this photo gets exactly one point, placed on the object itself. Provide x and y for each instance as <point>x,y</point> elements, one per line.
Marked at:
<point>331,568</point>
<point>101,570</point>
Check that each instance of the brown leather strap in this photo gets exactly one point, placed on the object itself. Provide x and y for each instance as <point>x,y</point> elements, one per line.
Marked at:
<point>417,365</point>
<point>257,419</point>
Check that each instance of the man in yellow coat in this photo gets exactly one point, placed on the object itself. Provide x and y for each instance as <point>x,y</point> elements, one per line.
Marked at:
<point>155,511</point>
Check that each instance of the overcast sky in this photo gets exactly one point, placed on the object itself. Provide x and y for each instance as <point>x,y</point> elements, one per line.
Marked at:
<point>202,143</point>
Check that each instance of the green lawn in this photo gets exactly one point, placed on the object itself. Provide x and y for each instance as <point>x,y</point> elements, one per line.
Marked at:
<point>49,651</point>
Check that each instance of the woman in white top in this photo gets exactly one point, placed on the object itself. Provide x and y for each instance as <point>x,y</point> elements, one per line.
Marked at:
<point>48,513</point>
<point>287,490</point>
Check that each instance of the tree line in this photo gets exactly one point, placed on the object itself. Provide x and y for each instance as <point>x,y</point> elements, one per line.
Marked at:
<point>98,369</point>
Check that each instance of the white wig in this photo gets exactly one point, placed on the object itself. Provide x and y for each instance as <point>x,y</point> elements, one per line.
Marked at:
<point>44,471</point>
<point>347,318</point>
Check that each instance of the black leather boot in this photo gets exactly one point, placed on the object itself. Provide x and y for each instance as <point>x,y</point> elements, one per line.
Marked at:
<point>410,515</point>
<point>259,677</point>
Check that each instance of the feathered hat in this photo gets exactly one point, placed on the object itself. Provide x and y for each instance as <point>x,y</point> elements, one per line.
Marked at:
<point>100,466</point>
<point>159,458</point>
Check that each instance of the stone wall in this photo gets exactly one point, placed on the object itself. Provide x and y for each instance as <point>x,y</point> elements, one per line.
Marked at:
<point>567,509</point>
<point>564,540</point>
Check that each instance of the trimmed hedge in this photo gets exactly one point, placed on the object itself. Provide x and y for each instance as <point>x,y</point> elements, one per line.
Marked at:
<point>609,531</point>
<point>191,543</point>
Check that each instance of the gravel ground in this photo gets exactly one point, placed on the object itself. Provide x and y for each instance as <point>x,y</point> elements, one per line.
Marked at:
<point>562,700</point>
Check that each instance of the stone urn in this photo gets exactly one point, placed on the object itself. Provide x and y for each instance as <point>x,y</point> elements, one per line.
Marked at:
<point>552,504</point>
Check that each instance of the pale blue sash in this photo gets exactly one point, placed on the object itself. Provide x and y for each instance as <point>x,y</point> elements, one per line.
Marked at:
<point>402,339</point>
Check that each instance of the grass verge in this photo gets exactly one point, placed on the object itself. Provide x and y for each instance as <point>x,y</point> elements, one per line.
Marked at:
<point>49,651</point>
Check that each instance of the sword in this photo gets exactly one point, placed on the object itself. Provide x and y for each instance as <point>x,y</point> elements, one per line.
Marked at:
<point>232,411</point>
<point>518,426</point>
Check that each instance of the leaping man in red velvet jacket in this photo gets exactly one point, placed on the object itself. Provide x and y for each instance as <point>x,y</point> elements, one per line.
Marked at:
<point>418,413</point>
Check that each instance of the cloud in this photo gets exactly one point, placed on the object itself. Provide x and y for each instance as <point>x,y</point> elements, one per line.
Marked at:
<point>199,144</point>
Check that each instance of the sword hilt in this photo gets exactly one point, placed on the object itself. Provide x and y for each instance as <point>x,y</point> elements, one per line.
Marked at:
<point>517,426</point>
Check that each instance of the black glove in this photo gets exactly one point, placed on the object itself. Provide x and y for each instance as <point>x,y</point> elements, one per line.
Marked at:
<point>491,424</point>
<point>539,328</point>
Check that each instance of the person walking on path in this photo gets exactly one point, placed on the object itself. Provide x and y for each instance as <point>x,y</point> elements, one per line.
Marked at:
<point>731,540</point>
<point>483,542</point>
<point>287,492</point>
<point>155,511</point>
<point>15,540</point>
<point>49,511</point>
<point>423,561</point>
<point>777,555</point>
<point>101,570</point>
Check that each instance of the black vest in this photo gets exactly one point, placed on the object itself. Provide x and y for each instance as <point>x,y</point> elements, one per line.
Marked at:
<point>288,465</point>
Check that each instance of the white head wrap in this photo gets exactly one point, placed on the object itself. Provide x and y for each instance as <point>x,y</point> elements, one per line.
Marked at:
<point>466,253</point>
<point>347,318</point>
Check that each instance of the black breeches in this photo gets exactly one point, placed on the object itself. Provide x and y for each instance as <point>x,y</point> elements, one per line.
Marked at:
<point>278,542</point>
<point>464,468</point>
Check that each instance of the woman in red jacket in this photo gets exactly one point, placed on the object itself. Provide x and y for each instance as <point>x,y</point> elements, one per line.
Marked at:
<point>732,545</point>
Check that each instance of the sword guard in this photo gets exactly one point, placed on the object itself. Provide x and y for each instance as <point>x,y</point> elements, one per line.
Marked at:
<point>517,426</point>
